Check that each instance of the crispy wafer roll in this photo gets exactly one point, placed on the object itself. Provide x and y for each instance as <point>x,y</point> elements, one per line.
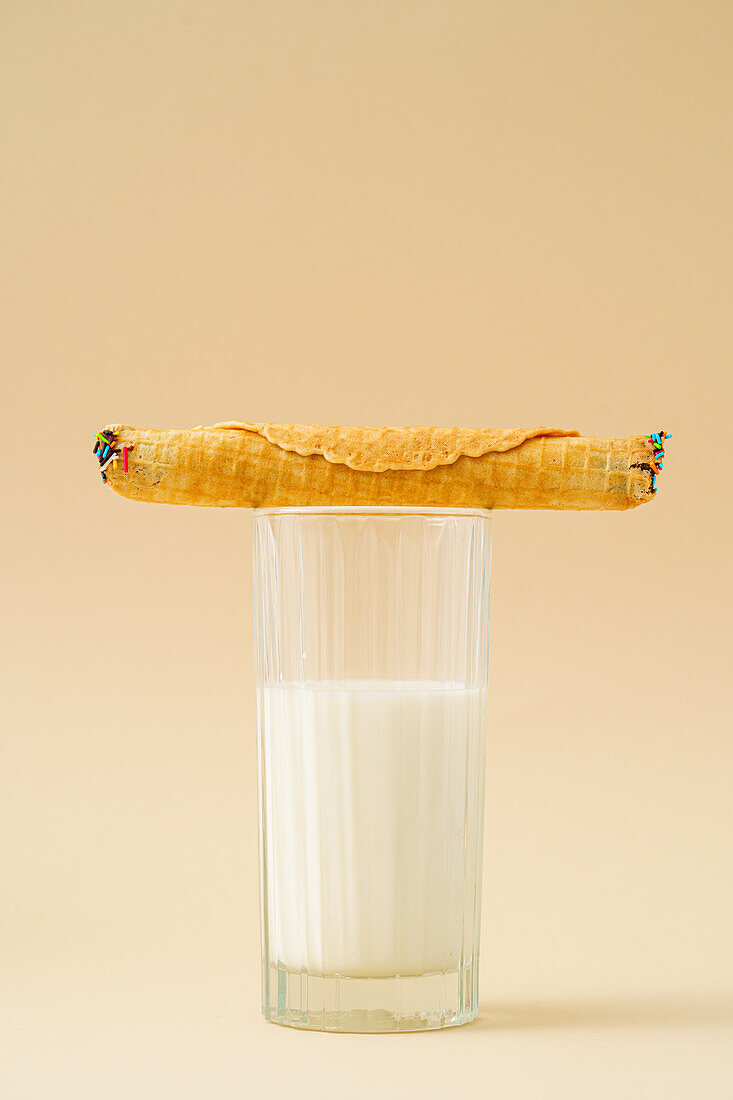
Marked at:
<point>245,465</point>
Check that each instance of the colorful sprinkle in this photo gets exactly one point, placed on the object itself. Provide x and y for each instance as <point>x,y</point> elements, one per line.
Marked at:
<point>111,458</point>
<point>657,440</point>
<point>107,453</point>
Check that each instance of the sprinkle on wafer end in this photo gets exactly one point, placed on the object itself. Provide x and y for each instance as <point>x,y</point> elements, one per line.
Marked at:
<point>657,440</point>
<point>107,453</point>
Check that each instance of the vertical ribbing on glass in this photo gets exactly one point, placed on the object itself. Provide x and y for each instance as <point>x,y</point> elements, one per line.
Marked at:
<point>371,646</point>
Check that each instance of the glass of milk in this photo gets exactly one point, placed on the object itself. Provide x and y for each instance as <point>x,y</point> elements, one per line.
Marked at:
<point>371,640</point>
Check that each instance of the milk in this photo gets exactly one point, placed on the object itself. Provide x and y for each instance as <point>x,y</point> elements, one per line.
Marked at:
<point>371,811</point>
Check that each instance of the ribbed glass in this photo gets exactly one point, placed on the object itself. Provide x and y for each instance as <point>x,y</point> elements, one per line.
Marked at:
<point>371,640</point>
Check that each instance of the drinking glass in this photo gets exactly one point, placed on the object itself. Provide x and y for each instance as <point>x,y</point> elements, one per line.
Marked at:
<point>371,642</point>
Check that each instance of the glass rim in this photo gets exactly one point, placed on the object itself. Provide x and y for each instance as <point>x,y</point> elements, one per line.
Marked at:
<point>371,510</point>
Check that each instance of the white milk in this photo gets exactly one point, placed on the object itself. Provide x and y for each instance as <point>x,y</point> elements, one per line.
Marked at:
<point>370,796</point>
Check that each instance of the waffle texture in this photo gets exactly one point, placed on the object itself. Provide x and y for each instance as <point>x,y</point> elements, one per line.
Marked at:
<point>240,465</point>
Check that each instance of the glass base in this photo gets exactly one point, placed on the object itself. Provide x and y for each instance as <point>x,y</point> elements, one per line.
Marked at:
<point>321,1002</point>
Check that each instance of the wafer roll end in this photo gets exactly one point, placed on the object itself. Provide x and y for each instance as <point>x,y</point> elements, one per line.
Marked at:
<point>645,463</point>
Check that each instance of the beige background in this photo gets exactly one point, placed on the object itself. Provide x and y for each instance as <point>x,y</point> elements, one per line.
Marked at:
<point>364,212</point>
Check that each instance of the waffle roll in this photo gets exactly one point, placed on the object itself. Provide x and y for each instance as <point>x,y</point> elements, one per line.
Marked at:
<point>247,465</point>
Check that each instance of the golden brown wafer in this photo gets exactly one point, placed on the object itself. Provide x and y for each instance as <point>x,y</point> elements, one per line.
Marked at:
<point>257,465</point>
